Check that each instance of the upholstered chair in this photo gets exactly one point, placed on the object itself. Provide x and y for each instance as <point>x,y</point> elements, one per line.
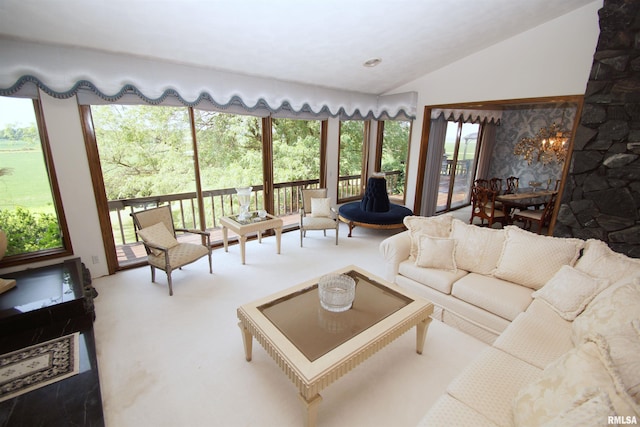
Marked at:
<point>317,213</point>
<point>155,227</point>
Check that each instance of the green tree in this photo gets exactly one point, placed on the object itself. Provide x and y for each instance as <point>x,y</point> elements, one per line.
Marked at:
<point>28,231</point>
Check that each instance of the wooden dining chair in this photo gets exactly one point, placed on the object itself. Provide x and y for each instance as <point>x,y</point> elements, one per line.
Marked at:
<point>512,185</point>
<point>484,183</point>
<point>541,216</point>
<point>495,184</point>
<point>483,206</point>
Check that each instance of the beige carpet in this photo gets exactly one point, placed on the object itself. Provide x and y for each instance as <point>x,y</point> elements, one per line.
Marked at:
<point>179,361</point>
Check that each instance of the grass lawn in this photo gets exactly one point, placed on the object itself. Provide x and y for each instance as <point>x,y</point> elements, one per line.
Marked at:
<point>27,185</point>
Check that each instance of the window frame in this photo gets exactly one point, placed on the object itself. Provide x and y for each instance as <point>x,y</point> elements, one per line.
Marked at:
<point>67,248</point>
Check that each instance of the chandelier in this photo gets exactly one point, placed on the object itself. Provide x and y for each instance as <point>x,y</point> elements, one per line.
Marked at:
<point>549,144</point>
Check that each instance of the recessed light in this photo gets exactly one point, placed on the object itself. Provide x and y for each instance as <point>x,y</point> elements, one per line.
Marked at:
<point>372,62</point>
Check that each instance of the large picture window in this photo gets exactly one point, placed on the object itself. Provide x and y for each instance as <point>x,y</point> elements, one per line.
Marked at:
<point>30,210</point>
<point>352,159</point>
<point>393,155</point>
<point>194,160</point>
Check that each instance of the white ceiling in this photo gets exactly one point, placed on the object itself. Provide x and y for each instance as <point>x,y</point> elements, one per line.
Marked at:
<point>318,42</point>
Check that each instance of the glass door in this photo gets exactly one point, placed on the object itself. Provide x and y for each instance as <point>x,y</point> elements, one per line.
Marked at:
<point>458,165</point>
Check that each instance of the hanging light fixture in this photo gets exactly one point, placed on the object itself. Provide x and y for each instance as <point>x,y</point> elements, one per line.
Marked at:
<point>549,144</point>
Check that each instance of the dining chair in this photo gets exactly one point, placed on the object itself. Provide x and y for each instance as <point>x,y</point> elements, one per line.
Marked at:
<point>155,227</point>
<point>541,216</point>
<point>495,184</point>
<point>481,183</point>
<point>512,185</point>
<point>483,206</point>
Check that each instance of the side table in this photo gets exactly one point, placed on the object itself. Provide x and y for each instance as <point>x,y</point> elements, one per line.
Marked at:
<point>252,224</point>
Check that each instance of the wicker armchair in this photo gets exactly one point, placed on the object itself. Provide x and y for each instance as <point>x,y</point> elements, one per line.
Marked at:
<point>155,227</point>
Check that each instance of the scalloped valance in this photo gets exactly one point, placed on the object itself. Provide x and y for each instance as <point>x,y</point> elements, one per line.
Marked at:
<point>468,115</point>
<point>97,77</point>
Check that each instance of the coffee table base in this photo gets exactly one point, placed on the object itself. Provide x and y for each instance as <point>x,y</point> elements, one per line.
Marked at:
<point>313,401</point>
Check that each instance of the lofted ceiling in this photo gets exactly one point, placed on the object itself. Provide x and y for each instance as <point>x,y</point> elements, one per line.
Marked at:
<point>316,42</point>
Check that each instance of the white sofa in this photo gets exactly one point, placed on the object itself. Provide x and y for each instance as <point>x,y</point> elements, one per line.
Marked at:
<point>562,315</point>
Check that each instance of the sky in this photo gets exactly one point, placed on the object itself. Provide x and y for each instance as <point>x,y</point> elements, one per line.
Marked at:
<point>16,110</point>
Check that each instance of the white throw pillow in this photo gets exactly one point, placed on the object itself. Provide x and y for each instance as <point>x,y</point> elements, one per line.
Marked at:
<point>158,235</point>
<point>530,259</point>
<point>433,226</point>
<point>564,382</point>
<point>478,249</point>
<point>436,252</point>
<point>320,207</point>
<point>569,291</point>
<point>595,408</point>
<point>614,312</point>
<point>599,260</point>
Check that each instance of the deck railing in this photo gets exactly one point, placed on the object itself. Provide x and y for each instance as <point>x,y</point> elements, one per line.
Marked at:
<point>221,202</point>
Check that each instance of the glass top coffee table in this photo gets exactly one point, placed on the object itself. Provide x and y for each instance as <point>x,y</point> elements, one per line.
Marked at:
<point>315,347</point>
<point>252,224</point>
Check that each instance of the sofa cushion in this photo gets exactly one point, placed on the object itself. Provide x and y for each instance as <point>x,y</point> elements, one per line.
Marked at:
<point>440,280</point>
<point>563,384</point>
<point>497,296</point>
<point>489,383</point>
<point>538,336</point>
<point>434,226</point>
<point>598,260</point>
<point>478,249</point>
<point>615,312</point>
<point>448,410</point>
<point>531,260</point>
<point>569,291</point>
<point>436,252</point>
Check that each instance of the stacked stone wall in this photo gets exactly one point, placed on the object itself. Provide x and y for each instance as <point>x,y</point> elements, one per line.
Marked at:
<point>601,198</point>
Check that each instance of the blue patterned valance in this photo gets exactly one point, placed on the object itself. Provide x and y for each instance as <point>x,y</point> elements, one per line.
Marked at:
<point>98,77</point>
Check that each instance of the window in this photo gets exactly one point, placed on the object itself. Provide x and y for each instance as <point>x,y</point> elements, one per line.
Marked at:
<point>458,165</point>
<point>352,159</point>
<point>194,160</point>
<point>30,210</point>
<point>393,153</point>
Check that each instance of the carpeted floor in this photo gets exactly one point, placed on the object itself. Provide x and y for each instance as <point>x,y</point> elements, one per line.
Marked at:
<point>179,361</point>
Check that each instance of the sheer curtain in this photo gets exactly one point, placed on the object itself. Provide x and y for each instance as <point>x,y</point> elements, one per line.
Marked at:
<point>435,152</point>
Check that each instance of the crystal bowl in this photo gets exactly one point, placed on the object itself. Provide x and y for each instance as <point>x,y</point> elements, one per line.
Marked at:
<point>336,292</point>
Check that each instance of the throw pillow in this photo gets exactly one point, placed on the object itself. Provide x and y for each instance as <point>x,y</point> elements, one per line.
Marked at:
<point>436,252</point>
<point>569,291</point>
<point>530,259</point>
<point>614,312</point>
<point>599,260</point>
<point>578,371</point>
<point>478,249</point>
<point>158,235</point>
<point>595,407</point>
<point>320,207</point>
<point>433,226</point>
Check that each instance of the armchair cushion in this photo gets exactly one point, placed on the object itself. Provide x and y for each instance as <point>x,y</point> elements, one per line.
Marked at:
<point>569,291</point>
<point>158,235</point>
<point>320,207</point>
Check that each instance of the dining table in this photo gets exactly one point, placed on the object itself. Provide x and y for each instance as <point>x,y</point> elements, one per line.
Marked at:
<point>524,198</point>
